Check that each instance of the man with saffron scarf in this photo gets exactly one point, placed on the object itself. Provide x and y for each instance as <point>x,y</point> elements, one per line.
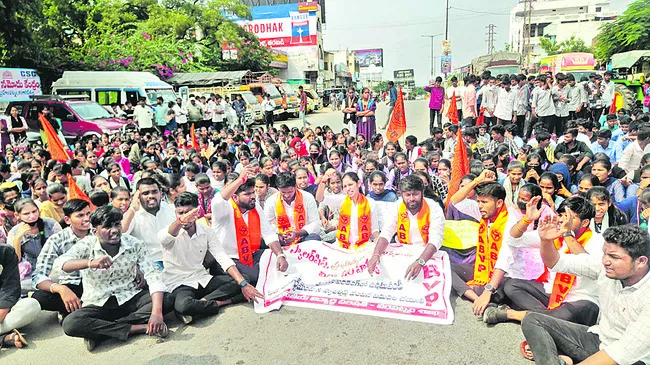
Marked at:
<point>416,221</point>
<point>241,228</point>
<point>292,213</point>
<point>562,295</point>
<point>471,279</point>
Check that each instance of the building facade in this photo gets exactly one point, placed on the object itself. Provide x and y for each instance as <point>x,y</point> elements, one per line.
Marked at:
<point>557,20</point>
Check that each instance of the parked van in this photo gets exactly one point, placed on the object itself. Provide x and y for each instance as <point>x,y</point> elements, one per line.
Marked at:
<point>259,90</point>
<point>111,87</point>
<point>253,107</point>
<point>292,102</point>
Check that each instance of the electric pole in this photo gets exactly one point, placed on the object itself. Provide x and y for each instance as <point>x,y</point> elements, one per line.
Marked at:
<point>526,48</point>
<point>447,21</point>
<point>491,34</point>
<point>432,36</point>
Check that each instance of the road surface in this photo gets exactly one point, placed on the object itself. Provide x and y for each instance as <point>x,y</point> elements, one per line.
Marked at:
<point>292,335</point>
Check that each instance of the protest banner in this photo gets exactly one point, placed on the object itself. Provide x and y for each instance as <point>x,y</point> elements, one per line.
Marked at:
<point>323,276</point>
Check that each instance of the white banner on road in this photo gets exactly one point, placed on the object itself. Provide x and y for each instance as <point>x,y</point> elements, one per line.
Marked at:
<point>325,277</point>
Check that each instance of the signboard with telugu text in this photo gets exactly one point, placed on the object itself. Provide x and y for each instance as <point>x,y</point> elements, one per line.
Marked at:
<point>282,26</point>
<point>19,84</point>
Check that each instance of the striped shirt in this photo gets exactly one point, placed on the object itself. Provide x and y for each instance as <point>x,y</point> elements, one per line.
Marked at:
<point>55,246</point>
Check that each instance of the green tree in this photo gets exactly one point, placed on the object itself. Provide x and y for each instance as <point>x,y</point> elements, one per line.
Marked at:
<point>550,46</point>
<point>574,44</point>
<point>628,32</point>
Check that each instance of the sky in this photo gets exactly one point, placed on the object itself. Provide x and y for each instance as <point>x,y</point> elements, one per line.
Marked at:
<point>398,26</point>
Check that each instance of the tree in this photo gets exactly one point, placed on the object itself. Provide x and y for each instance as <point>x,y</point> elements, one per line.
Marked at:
<point>628,32</point>
<point>574,44</point>
<point>550,46</point>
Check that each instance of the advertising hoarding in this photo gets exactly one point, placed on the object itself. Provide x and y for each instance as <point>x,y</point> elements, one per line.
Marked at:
<point>19,84</point>
<point>370,57</point>
<point>282,26</point>
<point>405,78</point>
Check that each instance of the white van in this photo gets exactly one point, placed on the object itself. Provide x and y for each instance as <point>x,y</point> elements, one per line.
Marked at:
<point>114,87</point>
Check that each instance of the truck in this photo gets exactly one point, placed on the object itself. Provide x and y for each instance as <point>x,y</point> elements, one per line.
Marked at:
<point>114,87</point>
<point>578,64</point>
<point>630,73</point>
<point>498,63</point>
<point>18,84</point>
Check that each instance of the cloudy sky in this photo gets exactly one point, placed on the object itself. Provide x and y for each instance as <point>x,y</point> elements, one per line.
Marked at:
<point>398,26</point>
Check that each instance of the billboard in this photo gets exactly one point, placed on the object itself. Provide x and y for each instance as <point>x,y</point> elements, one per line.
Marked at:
<point>405,78</point>
<point>370,57</point>
<point>282,26</point>
<point>280,59</point>
<point>445,64</point>
<point>19,84</point>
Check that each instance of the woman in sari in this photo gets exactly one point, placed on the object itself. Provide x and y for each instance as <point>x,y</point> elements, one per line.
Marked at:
<point>366,108</point>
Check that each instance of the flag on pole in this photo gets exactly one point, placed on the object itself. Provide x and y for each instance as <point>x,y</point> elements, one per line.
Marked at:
<point>397,125</point>
<point>612,108</point>
<point>195,143</point>
<point>460,166</point>
<point>452,112</point>
<point>481,117</point>
<point>75,192</point>
<point>54,144</point>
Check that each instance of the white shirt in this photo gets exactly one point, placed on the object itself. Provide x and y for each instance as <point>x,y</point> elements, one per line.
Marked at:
<point>506,104</point>
<point>183,257</point>
<point>312,221</point>
<point>268,105</point>
<point>219,107</point>
<point>631,158</point>
<point>223,223</point>
<point>336,200</point>
<point>181,114</point>
<point>143,115</point>
<point>190,186</point>
<point>436,225</point>
<point>145,227</point>
<point>520,257</point>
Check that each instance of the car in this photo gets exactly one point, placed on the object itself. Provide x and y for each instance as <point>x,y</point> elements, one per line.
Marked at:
<point>78,117</point>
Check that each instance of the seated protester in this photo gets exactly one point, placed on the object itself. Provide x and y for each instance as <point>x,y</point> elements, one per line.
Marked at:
<point>112,304</point>
<point>575,148</point>
<point>206,194</point>
<point>302,181</point>
<point>100,182</point>
<point>120,198</point>
<point>29,236</point>
<point>262,189</point>
<point>389,157</point>
<point>99,198</point>
<point>637,209</point>
<point>93,167</point>
<point>14,312</point>
<point>557,295</point>
<point>39,191</point>
<point>267,166</point>
<point>185,244</point>
<point>400,170</point>
<point>463,205</point>
<point>416,221</point>
<point>604,144</point>
<point>438,187</point>
<point>543,140</point>
<point>550,185</point>
<point>191,170</point>
<point>63,172</point>
<point>587,182</point>
<point>62,295</point>
<point>53,208</point>
<point>219,172</point>
<point>607,214</point>
<point>147,215</point>
<point>242,229</point>
<point>173,186</point>
<point>513,182</point>
<point>358,222</point>
<point>622,284</point>
<point>641,177</point>
<point>561,170</point>
<point>602,169</point>
<point>337,162</point>
<point>516,260</point>
<point>9,194</point>
<point>428,190</point>
<point>633,153</point>
<point>292,213</point>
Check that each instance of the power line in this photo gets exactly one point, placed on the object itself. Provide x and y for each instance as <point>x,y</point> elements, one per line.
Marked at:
<point>478,11</point>
<point>491,34</point>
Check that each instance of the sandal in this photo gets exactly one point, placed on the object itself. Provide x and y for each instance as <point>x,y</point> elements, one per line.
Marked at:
<point>494,315</point>
<point>14,338</point>
<point>524,349</point>
<point>163,332</point>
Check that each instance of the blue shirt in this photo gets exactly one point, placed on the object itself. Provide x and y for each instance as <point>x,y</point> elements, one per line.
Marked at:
<point>613,150</point>
<point>393,96</point>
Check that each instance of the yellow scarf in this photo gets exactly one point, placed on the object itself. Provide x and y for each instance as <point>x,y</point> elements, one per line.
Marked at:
<point>404,223</point>
<point>299,215</point>
<point>564,282</point>
<point>487,250</point>
<point>364,222</point>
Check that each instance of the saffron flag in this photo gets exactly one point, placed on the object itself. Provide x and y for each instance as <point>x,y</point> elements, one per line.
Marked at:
<point>612,108</point>
<point>481,117</point>
<point>195,143</point>
<point>452,112</point>
<point>397,126</point>
<point>54,144</point>
<point>75,192</point>
<point>460,166</point>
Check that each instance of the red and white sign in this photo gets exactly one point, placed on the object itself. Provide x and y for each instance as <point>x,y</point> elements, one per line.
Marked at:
<point>299,29</point>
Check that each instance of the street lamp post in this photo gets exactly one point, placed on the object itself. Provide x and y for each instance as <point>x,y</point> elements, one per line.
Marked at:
<point>432,36</point>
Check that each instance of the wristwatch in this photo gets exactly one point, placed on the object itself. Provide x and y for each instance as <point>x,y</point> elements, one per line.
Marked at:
<point>568,234</point>
<point>243,283</point>
<point>489,287</point>
<point>421,262</point>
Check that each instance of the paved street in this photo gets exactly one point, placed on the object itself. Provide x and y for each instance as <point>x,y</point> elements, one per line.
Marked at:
<point>292,335</point>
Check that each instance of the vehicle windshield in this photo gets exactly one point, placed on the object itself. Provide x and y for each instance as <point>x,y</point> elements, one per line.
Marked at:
<point>579,74</point>
<point>272,90</point>
<point>250,98</point>
<point>289,90</point>
<point>167,95</point>
<point>90,111</point>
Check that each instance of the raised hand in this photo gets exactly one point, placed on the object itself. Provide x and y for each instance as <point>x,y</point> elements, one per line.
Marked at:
<point>532,211</point>
<point>549,229</point>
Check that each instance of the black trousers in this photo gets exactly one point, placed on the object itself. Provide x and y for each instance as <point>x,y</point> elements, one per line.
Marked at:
<point>547,121</point>
<point>268,119</point>
<point>462,273</point>
<point>531,296</point>
<point>529,125</point>
<point>187,300</point>
<point>113,320</point>
<point>490,121</point>
<point>435,117</point>
<point>521,124</point>
<point>52,301</point>
<point>596,113</point>
<point>251,272</point>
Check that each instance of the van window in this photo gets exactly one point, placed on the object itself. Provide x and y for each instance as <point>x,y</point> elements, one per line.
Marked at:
<point>108,97</point>
<point>132,96</point>
<point>73,92</point>
<point>33,112</point>
<point>62,113</point>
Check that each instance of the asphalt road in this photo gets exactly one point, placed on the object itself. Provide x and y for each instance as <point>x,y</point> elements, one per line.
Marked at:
<point>291,335</point>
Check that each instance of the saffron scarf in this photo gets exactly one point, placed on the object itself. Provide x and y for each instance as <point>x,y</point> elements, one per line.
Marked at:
<point>404,223</point>
<point>487,250</point>
<point>564,282</point>
<point>364,222</point>
<point>248,235</point>
<point>299,215</point>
